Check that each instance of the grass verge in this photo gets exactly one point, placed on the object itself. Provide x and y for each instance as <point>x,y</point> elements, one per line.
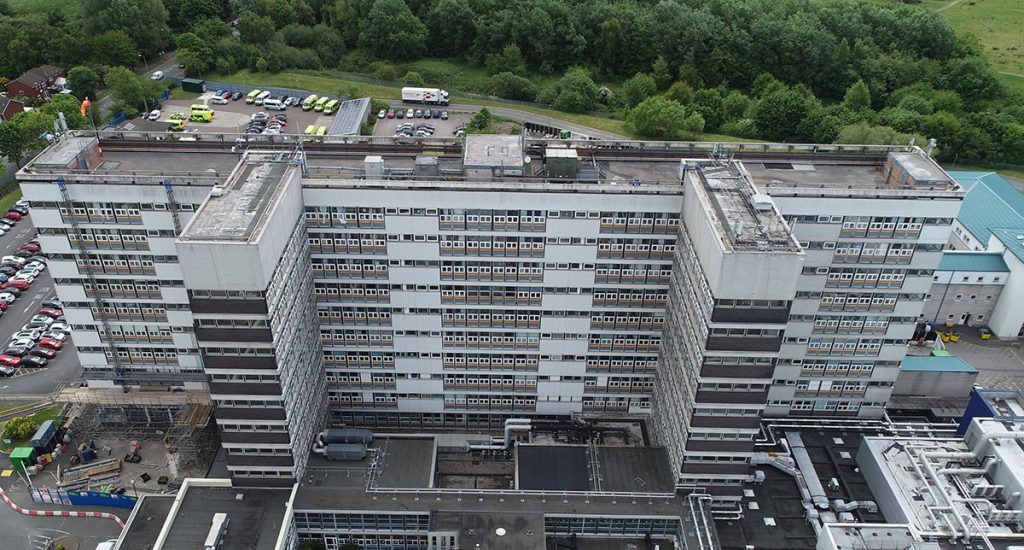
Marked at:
<point>50,413</point>
<point>8,201</point>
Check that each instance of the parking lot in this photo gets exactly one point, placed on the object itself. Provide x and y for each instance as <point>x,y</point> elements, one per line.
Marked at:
<point>64,368</point>
<point>232,117</point>
<point>442,128</point>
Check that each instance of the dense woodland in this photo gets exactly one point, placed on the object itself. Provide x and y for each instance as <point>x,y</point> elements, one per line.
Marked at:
<point>783,70</point>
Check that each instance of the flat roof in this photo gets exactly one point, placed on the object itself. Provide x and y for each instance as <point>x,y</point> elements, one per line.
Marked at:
<point>552,468</point>
<point>241,209</point>
<point>931,363</point>
<point>748,219</point>
<point>973,261</point>
<point>808,173</point>
<point>146,522</point>
<point>256,518</point>
<point>921,167</point>
<point>493,151</point>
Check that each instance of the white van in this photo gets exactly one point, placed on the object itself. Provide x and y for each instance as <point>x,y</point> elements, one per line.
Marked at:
<point>273,105</point>
<point>262,97</point>
<point>107,545</point>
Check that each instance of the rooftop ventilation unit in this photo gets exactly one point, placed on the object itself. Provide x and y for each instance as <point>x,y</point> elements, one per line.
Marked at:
<point>218,528</point>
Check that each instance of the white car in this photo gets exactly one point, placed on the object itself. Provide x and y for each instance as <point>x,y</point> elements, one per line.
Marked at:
<point>59,336</point>
<point>382,113</point>
<point>23,203</point>
<point>16,259</point>
<point>20,342</point>
<point>27,277</point>
<point>157,75</point>
<point>41,319</point>
<point>154,115</point>
<point>107,545</point>
<point>60,327</point>
<point>33,335</point>
<point>219,101</point>
<point>411,113</point>
<point>2,231</point>
<point>8,297</point>
<point>35,266</point>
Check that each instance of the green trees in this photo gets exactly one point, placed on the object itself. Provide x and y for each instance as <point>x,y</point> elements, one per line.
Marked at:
<point>451,28</point>
<point>113,48</point>
<point>637,89</point>
<point>145,21</point>
<point>130,93</point>
<point>858,98</point>
<point>508,60</point>
<point>778,114</point>
<point>255,29</point>
<point>83,81</point>
<point>661,118</point>
<point>392,32</point>
<point>574,93</point>
<point>20,427</point>
<point>481,121</point>
<point>510,86</point>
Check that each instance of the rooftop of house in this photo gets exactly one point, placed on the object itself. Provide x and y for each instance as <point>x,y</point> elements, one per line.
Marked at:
<point>1011,238</point>
<point>973,261</point>
<point>991,201</point>
<point>38,76</point>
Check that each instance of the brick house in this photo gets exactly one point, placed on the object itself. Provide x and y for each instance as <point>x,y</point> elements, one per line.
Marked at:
<point>35,83</point>
<point>9,108</point>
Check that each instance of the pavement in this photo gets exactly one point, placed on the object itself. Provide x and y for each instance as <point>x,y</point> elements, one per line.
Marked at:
<point>32,384</point>
<point>442,128</point>
<point>1000,362</point>
<point>230,117</point>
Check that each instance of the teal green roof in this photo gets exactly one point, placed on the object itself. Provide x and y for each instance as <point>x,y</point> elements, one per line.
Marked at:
<point>991,201</point>
<point>973,261</point>
<point>926,363</point>
<point>1012,239</point>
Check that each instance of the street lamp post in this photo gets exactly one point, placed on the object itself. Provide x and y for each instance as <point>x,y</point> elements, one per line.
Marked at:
<point>134,490</point>
<point>145,61</point>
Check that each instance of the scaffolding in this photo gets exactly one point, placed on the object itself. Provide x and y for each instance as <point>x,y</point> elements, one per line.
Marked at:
<point>178,418</point>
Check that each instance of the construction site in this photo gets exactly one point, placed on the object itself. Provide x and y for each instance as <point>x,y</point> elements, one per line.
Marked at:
<point>171,430</point>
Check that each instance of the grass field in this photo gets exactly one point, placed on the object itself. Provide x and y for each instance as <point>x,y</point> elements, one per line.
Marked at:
<point>9,200</point>
<point>44,6</point>
<point>324,82</point>
<point>997,25</point>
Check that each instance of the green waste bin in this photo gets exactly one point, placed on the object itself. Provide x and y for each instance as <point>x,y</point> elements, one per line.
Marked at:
<point>23,458</point>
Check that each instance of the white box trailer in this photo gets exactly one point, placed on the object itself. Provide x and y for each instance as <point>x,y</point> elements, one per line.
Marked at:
<point>431,96</point>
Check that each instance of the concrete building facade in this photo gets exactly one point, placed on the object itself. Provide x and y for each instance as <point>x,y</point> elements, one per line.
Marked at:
<point>455,284</point>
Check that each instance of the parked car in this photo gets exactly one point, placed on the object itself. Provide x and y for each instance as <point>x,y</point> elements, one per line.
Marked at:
<point>24,254</point>
<point>14,283</point>
<point>219,101</point>
<point>33,361</point>
<point>236,96</point>
<point>15,259</point>
<point>410,113</point>
<point>8,270</point>
<point>36,265</point>
<point>8,370</point>
<point>7,297</point>
<point>43,352</point>
<point>50,312</point>
<point>153,115</point>
<point>418,113</point>
<point>19,209</point>
<point>226,94</point>
<point>60,327</point>
<point>35,325</point>
<point>10,360</point>
<point>31,247</point>
<point>27,335</point>
<point>45,319</point>
<point>4,305</point>
<point>390,113</point>
<point>17,351</point>
<point>439,114</point>
<point>400,113</point>
<point>157,75</point>
<point>52,303</point>
<point>13,216</point>
<point>51,343</point>
<point>22,276</point>
<point>382,113</point>
<point>59,336</point>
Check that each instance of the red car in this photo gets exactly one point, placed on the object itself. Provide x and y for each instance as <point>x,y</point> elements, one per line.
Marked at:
<point>3,305</point>
<point>13,216</point>
<point>56,345</point>
<point>51,312</point>
<point>20,285</point>
<point>10,360</point>
<point>30,247</point>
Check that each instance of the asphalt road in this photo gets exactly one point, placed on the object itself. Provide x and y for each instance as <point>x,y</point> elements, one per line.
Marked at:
<point>524,116</point>
<point>64,368</point>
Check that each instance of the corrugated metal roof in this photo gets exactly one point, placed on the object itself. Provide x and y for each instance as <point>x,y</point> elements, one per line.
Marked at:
<point>1012,239</point>
<point>935,364</point>
<point>352,113</point>
<point>991,201</point>
<point>973,261</point>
